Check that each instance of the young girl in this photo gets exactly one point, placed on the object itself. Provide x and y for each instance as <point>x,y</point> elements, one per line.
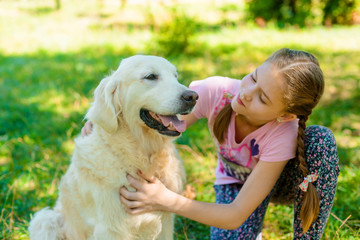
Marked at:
<point>265,152</point>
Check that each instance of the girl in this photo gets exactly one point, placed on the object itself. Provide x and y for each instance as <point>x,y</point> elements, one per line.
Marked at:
<point>265,152</point>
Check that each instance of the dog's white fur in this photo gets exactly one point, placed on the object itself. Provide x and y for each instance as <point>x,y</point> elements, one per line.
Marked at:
<point>88,206</point>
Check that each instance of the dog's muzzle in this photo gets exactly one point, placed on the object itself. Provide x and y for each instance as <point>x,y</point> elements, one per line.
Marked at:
<point>170,125</point>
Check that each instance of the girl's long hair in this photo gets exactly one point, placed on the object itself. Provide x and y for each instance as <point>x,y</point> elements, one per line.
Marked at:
<point>303,86</point>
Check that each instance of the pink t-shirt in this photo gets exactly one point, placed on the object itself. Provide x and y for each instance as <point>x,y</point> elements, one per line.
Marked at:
<point>271,142</point>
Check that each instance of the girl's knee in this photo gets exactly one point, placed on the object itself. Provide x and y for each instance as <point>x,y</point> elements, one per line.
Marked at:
<point>320,137</point>
<point>320,146</point>
<point>319,134</point>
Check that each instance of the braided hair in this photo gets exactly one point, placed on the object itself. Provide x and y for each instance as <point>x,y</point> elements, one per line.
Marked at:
<point>303,87</point>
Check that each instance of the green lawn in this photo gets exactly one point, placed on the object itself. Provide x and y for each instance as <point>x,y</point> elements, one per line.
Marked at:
<point>51,61</point>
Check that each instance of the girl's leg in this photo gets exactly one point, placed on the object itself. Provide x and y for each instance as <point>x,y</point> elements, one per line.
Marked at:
<point>251,228</point>
<point>322,158</point>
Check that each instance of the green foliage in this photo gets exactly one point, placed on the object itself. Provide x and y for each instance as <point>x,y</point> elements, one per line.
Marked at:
<point>338,11</point>
<point>173,37</point>
<point>282,12</point>
<point>302,12</point>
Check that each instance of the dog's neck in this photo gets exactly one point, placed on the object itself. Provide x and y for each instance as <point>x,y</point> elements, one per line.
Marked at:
<point>143,140</point>
<point>140,153</point>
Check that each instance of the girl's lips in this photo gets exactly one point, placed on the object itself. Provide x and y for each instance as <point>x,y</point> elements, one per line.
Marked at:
<point>239,100</point>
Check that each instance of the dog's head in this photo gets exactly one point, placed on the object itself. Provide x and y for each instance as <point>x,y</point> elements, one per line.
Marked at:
<point>144,90</point>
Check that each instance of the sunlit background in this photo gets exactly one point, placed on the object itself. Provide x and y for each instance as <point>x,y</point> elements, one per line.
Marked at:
<point>54,53</point>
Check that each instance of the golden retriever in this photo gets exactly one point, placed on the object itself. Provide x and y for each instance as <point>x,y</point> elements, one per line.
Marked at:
<point>136,117</point>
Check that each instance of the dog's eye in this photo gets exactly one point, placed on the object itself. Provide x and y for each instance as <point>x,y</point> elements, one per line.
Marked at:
<point>151,77</point>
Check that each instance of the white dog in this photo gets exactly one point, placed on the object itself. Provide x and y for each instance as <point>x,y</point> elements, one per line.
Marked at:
<point>135,115</point>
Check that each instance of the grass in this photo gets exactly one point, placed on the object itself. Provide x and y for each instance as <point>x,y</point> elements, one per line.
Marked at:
<point>51,61</point>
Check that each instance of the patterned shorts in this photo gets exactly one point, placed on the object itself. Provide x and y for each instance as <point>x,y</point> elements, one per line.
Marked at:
<point>321,157</point>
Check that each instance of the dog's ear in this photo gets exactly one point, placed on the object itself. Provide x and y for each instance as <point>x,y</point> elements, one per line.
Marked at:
<point>106,107</point>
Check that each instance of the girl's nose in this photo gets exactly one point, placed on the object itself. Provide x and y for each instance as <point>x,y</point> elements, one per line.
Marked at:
<point>247,94</point>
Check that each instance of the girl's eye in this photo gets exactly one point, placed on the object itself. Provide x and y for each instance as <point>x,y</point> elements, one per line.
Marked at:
<point>151,77</point>
<point>252,77</point>
<point>262,100</point>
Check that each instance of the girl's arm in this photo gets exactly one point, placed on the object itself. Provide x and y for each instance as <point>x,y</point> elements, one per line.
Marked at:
<point>152,195</point>
<point>190,119</point>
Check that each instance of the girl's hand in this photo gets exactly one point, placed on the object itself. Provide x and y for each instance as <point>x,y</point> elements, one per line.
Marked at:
<point>87,129</point>
<point>150,195</point>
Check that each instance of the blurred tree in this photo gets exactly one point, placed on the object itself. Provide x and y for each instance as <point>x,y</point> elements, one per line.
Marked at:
<point>338,12</point>
<point>57,4</point>
<point>122,3</point>
<point>173,36</point>
<point>301,12</point>
<point>293,12</point>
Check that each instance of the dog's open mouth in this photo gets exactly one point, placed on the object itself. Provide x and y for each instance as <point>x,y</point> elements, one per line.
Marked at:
<point>169,125</point>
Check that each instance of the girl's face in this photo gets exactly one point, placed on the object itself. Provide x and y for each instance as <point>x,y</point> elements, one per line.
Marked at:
<point>259,98</point>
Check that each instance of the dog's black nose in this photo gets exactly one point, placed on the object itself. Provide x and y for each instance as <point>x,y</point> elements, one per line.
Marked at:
<point>190,97</point>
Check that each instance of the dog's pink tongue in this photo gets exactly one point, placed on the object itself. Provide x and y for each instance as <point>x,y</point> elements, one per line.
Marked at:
<point>180,126</point>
